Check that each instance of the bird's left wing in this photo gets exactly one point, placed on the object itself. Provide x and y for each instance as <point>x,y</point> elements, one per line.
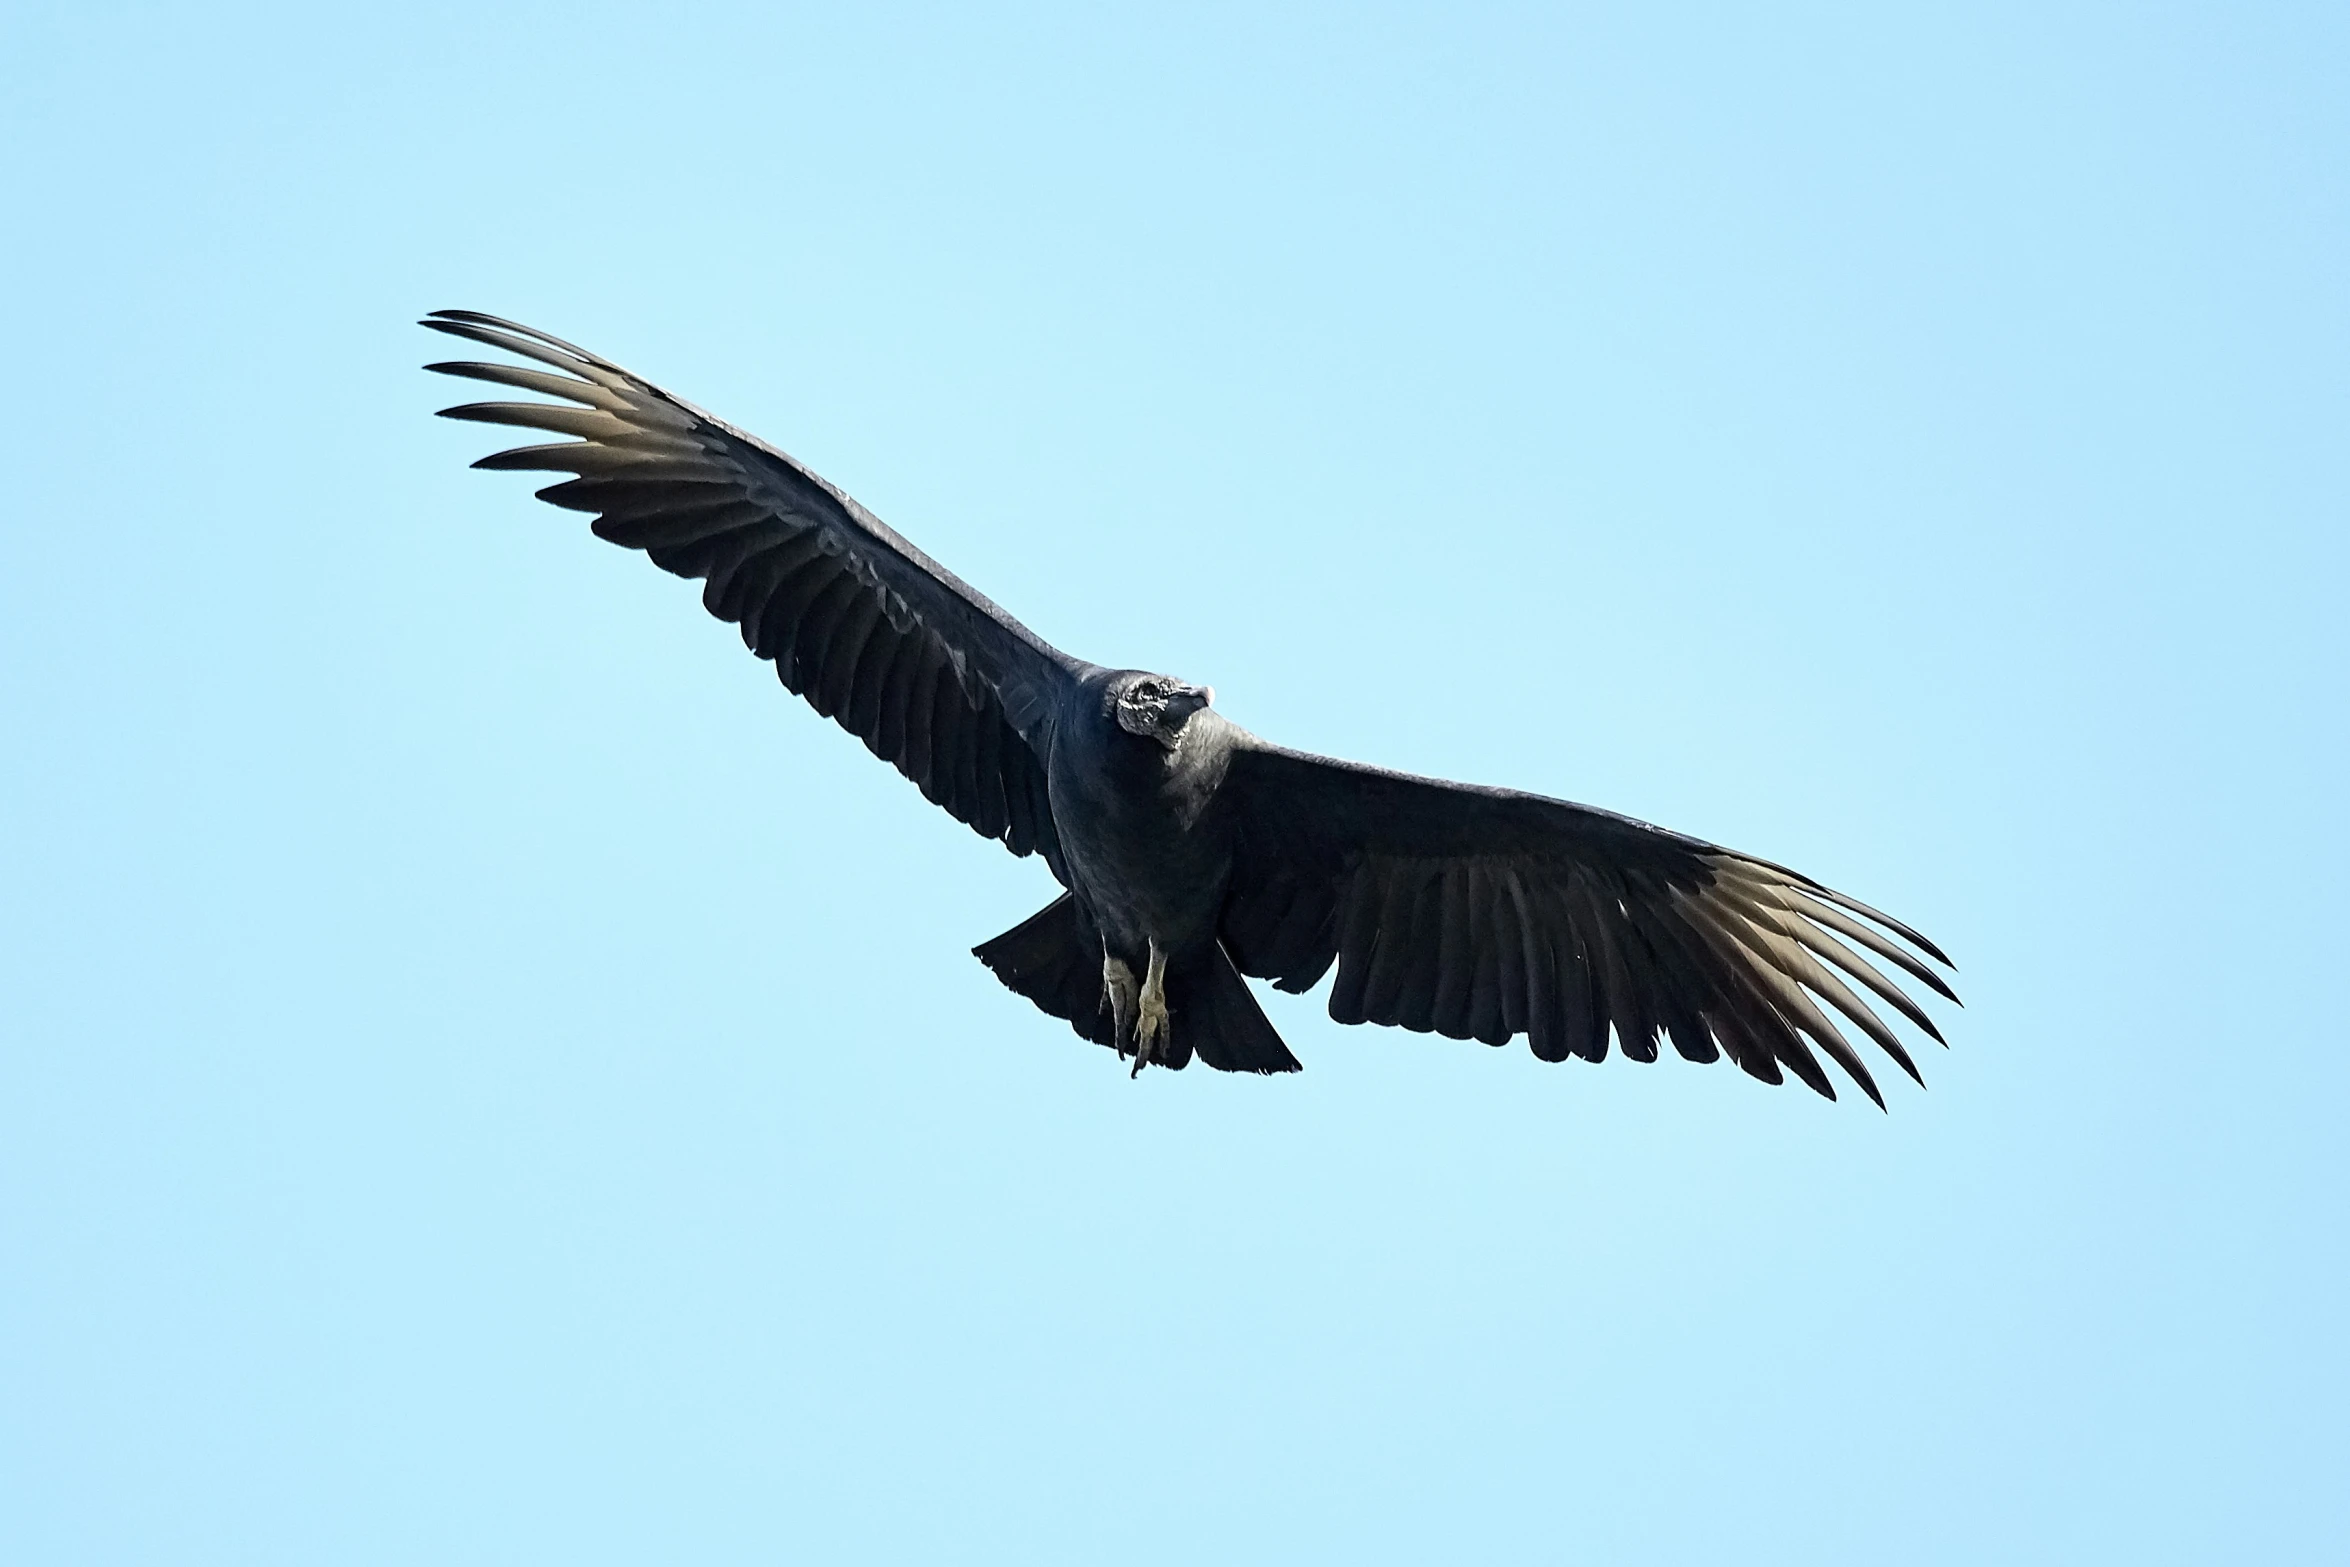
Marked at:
<point>936,680</point>
<point>1486,913</point>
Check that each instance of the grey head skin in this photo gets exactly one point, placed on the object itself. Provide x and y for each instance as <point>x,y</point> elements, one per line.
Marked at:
<point>1156,707</point>
<point>1189,852</point>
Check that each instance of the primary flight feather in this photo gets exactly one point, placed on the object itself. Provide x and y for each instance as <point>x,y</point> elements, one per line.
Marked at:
<point>1191,852</point>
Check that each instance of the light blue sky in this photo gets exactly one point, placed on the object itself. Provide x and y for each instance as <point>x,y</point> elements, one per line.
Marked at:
<point>486,1077</point>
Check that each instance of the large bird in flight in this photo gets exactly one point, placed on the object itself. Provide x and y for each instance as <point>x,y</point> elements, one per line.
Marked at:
<point>1189,851</point>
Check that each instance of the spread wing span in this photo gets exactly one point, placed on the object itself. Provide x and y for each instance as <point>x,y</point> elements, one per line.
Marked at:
<point>1485,913</point>
<point>876,635</point>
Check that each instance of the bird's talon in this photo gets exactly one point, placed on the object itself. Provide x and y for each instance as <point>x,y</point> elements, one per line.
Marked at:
<point>1153,1024</point>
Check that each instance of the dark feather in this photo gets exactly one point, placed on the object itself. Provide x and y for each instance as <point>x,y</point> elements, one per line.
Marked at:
<point>840,602</point>
<point>533,381</point>
<point>1552,920</point>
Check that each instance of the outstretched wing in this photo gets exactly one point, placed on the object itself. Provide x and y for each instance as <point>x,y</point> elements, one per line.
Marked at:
<point>937,681</point>
<point>1484,913</point>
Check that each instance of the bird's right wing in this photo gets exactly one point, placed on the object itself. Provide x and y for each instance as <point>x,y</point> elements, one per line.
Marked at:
<point>936,680</point>
<point>1486,913</point>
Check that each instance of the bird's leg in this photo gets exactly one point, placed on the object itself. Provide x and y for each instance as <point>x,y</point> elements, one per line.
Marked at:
<point>1151,1024</point>
<point>1118,982</point>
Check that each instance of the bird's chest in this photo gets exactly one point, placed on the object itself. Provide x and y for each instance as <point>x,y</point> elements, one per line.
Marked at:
<point>1141,839</point>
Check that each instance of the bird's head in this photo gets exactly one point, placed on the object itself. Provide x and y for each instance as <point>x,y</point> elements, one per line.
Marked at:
<point>1156,707</point>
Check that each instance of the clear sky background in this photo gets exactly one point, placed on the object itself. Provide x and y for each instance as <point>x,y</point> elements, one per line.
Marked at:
<point>487,1077</point>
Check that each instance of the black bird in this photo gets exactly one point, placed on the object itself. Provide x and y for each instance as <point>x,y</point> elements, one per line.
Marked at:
<point>1190,851</point>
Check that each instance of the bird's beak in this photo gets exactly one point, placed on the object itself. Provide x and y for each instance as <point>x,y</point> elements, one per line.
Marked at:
<point>1184,701</point>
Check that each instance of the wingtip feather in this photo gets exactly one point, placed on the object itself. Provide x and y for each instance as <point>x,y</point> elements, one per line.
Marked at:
<point>443,320</point>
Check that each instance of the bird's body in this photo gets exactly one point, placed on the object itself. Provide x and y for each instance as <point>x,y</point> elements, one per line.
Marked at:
<point>1146,851</point>
<point>1190,851</point>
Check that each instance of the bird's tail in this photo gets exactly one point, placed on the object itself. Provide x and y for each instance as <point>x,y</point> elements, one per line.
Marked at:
<point>1216,1016</point>
<point>1054,958</point>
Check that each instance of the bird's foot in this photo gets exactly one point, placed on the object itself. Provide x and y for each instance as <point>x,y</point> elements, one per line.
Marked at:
<point>1153,1024</point>
<point>1118,984</point>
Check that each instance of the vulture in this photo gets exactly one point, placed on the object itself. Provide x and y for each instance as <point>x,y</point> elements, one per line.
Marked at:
<point>1190,854</point>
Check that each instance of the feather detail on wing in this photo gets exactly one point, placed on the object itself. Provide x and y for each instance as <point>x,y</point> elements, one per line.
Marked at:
<point>935,679</point>
<point>1486,914</point>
